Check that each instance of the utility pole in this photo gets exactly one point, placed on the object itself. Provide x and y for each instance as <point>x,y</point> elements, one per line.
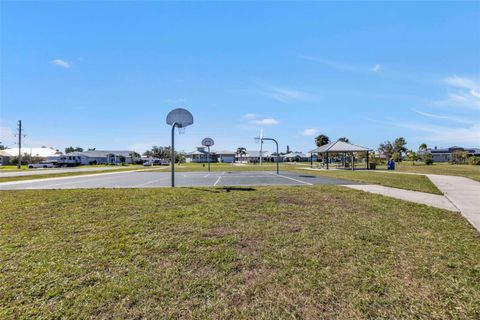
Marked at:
<point>19,165</point>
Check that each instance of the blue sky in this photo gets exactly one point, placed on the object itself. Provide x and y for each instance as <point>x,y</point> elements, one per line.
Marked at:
<point>105,74</point>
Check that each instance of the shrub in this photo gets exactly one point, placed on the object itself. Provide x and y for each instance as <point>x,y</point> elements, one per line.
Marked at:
<point>428,159</point>
<point>474,161</point>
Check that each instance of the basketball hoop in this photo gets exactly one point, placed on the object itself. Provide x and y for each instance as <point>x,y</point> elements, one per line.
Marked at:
<point>181,119</point>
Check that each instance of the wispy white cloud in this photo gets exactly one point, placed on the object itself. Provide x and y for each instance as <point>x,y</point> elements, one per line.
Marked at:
<point>250,116</point>
<point>285,95</point>
<point>462,82</point>
<point>330,63</point>
<point>61,63</point>
<point>376,68</point>
<point>464,136</point>
<point>442,117</point>
<point>265,121</point>
<point>309,132</point>
<point>464,92</point>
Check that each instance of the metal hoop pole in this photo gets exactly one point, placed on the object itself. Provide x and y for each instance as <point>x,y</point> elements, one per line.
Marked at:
<point>277,158</point>
<point>208,159</point>
<point>173,154</point>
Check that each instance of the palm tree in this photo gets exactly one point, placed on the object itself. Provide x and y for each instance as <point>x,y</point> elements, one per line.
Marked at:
<point>423,146</point>
<point>386,149</point>
<point>241,151</point>
<point>344,139</point>
<point>133,155</point>
<point>322,140</point>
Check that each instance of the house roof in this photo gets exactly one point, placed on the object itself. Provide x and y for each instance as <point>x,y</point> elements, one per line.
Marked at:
<point>4,154</point>
<point>256,153</point>
<point>340,146</point>
<point>296,154</point>
<point>224,152</point>
<point>36,152</point>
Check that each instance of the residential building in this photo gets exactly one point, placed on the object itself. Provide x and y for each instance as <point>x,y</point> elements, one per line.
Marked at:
<point>97,157</point>
<point>253,156</point>
<point>445,154</point>
<point>201,156</point>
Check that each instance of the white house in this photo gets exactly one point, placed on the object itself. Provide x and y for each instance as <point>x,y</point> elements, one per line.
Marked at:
<point>46,153</point>
<point>201,156</point>
<point>98,157</point>
<point>253,156</point>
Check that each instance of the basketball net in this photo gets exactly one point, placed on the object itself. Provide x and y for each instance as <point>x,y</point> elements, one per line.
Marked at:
<point>181,130</point>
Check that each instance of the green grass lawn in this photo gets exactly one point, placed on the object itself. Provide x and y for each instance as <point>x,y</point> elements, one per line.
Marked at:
<point>267,252</point>
<point>67,174</point>
<point>401,181</point>
<point>463,170</point>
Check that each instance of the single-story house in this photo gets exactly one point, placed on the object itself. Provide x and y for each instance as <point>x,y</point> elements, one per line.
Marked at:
<point>97,157</point>
<point>297,157</point>
<point>253,156</point>
<point>4,157</point>
<point>225,156</point>
<point>445,154</point>
<point>45,153</point>
<point>201,156</point>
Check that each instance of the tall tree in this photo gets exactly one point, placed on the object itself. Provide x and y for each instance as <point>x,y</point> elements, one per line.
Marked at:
<point>422,147</point>
<point>344,139</point>
<point>134,155</point>
<point>72,149</point>
<point>386,149</point>
<point>322,140</point>
<point>2,147</point>
<point>399,145</point>
<point>241,151</point>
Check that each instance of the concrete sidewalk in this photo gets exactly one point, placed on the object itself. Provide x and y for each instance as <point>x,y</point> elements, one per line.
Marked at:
<point>464,193</point>
<point>428,199</point>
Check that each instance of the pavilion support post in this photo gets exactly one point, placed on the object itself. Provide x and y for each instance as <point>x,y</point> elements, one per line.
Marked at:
<point>327,160</point>
<point>311,160</point>
<point>353,161</point>
<point>368,167</point>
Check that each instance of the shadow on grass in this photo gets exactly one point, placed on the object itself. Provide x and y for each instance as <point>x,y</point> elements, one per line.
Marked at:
<point>223,189</point>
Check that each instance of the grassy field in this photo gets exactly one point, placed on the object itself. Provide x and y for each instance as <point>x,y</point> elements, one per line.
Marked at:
<point>66,174</point>
<point>271,252</point>
<point>472,172</point>
<point>401,181</point>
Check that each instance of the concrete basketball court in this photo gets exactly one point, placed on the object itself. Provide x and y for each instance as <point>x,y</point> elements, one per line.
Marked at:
<point>146,179</point>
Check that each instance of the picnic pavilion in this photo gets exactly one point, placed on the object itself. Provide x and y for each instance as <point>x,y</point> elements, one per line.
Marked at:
<point>339,147</point>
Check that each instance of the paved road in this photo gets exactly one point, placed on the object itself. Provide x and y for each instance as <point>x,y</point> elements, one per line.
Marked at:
<point>33,172</point>
<point>146,179</point>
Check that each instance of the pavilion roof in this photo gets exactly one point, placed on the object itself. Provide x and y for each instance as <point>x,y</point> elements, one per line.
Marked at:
<point>340,146</point>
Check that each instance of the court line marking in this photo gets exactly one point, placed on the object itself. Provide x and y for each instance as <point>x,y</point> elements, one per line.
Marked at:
<point>218,180</point>
<point>279,175</point>
<point>147,183</point>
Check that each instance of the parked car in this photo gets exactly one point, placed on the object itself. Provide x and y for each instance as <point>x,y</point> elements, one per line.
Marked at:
<point>41,164</point>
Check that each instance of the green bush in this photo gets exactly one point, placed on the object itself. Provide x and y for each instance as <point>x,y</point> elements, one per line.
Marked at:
<point>428,159</point>
<point>474,161</point>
